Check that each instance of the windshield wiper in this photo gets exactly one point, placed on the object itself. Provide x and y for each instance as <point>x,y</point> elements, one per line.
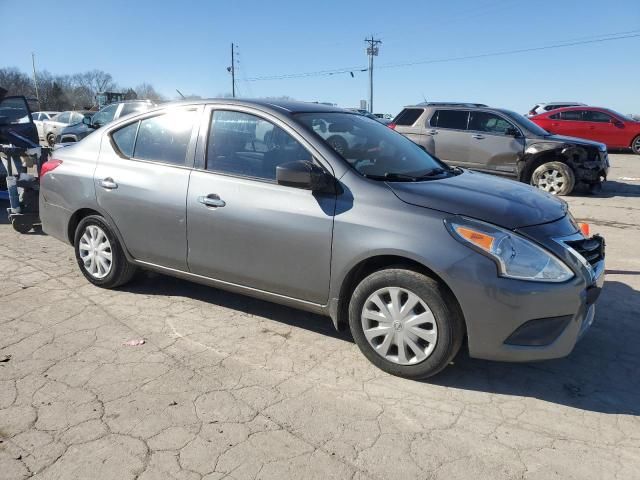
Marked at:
<point>403,177</point>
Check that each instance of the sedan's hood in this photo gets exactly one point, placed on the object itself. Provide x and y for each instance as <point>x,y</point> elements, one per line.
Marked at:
<point>507,203</point>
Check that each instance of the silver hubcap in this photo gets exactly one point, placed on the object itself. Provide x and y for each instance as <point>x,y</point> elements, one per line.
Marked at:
<point>399,326</point>
<point>636,145</point>
<point>551,181</point>
<point>95,252</point>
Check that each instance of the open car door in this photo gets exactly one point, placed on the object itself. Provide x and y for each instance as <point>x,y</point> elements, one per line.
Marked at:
<point>16,121</point>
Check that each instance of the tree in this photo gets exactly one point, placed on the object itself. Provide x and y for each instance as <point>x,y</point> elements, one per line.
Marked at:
<point>16,82</point>
<point>88,84</point>
<point>145,91</point>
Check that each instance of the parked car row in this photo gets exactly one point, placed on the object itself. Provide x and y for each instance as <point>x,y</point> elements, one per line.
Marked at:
<point>414,256</point>
<point>502,142</point>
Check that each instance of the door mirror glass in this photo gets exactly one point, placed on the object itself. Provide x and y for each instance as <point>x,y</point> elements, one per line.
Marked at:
<point>87,122</point>
<point>302,174</point>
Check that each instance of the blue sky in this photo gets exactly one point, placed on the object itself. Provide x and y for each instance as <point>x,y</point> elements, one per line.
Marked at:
<point>186,45</point>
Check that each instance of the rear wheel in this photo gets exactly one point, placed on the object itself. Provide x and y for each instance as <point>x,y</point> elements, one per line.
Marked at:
<point>556,178</point>
<point>404,323</point>
<point>635,145</point>
<point>99,254</point>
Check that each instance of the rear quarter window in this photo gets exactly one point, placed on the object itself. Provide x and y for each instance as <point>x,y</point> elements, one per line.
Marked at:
<point>408,117</point>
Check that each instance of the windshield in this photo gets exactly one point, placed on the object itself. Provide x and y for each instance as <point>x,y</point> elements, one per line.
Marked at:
<point>525,123</point>
<point>371,148</point>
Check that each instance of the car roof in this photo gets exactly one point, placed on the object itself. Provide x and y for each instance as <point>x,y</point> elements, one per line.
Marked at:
<point>284,106</point>
<point>451,104</point>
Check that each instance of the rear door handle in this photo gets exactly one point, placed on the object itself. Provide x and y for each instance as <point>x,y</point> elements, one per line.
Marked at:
<point>212,200</point>
<point>478,137</point>
<point>108,183</point>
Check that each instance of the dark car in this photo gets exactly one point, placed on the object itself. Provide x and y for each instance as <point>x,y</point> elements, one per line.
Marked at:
<point>613,129</point>
<point>75,133</point>
<point>502,142</point>
<point>415,257</point>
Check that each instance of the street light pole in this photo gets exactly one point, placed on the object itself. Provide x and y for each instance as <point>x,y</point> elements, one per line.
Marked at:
<point>35,78</point>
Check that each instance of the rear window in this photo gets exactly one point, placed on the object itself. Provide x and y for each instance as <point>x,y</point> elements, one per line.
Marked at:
<point>454,119</point>
<point>571,115</point>
<point>408,116</point>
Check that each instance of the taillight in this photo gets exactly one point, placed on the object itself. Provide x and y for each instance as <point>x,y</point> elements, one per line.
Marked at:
<point>48,166</point>
<point>392,126</point>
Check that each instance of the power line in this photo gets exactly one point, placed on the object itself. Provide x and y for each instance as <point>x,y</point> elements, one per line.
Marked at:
<point>349,70</point>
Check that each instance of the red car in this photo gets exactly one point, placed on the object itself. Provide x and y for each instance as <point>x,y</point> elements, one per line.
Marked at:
<point>593,123</point>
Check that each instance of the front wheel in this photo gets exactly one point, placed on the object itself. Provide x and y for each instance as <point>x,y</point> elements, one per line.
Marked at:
<point>556,178</point>
<point>405,323</point>
<point>100,255</point>
<point>635,145</point>
<point>51,139</point>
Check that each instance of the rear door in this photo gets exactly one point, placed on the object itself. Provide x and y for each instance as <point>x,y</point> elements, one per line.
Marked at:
<point>141,182</point>
<point>569,123</point>
<point>448,127</point>
<point>492,144</point>
<point>244,228</point>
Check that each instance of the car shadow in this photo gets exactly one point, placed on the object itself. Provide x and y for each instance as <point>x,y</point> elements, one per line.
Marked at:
<point>613,188</point>
<point>600,375</point>
<point>152,283</point>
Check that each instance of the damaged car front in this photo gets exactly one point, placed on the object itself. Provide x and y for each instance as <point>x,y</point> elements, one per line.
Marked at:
<point>559,164</point>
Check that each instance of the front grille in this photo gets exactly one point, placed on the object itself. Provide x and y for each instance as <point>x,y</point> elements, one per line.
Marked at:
<point>591,249</point>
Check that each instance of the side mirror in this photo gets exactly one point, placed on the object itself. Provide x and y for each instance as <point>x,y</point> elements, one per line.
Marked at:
<point>617,123</point>
<point>302,174</point>
<point>87,122</point>
<point>512,132</point>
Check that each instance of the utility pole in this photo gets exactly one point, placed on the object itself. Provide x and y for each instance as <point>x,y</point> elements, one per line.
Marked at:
<point>232,70</point>
<point>35,79</point>
<point>372,51</point>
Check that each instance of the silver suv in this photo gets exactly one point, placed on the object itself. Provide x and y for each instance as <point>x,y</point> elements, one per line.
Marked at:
<point>413,256</point>
<point>502,142</point>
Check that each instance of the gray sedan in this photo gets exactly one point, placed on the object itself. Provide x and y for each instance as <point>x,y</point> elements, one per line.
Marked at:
<point>412,256</point>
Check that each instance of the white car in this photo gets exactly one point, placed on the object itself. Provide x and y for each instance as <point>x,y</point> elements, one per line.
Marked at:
<point>39,118</point>
<point>539,108</point>
<point>52,127</point>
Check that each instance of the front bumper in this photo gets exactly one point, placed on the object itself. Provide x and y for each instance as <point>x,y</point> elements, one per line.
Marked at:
<point>511,320</point>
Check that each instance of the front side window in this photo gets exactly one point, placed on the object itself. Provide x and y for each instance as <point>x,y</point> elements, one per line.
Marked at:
<point>488,122</point>
<point>244,144</point>
<point>165,138</point>
<point>369,147</point>
<point>454,119</point>
<point>595,116</point>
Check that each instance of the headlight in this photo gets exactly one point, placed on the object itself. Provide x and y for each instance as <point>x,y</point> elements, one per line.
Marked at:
<point>515,256</point>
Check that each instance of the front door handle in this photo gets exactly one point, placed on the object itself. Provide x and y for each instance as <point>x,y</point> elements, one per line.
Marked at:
<point>212,200</point>
<point>432,132</point>
<point>478,137</point>
<point>108,183</point>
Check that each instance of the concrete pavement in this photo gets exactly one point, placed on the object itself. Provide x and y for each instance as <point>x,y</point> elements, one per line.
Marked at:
<point>230,387</point>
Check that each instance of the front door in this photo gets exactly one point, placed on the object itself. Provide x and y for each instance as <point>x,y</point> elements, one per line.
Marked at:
<point>244,228</point>
<point>141,182</point>
<point>493,145</point>
<point>448,129</point>
<point>606,129</point>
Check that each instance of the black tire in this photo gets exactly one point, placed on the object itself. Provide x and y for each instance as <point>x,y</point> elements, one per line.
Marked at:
<point>635,145</point>
<point>538,178</point>
<point>121,270</point>
<point>21,227</point>
<point>51,139</point>
<point>448,318</point>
